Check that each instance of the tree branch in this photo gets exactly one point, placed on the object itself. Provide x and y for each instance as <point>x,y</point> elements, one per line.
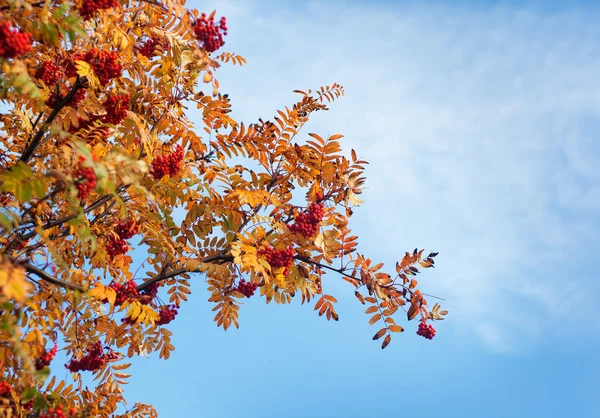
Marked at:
<point>45,276</point>
<point>218,257</point>
<point>37,138</point>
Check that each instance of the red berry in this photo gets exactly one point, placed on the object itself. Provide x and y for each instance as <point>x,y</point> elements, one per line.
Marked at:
<point>85,180</point>
<point>89,7</point>
<point>246,288</point>
<point>49,73</point>
<point>167,164</point>
<point>5,389</point>
<point>426,331</point>
<point>46,358</point>
<point>116,109</point>
<point>93,360</point>
<point>307,223</point>
<point>278,258</point>
<point>167,314</point>
<point>13,43</point>
<point>209,34</point>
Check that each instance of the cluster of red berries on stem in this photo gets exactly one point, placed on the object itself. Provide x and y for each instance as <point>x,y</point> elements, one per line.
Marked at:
<point>105,64</point>
<point>246,288</point>
<point>5,389</point>
<point>49,73</point>
<point>85,180</point>
<point>89,7</point>
<point>278,258</point>
<point>209,34</point>
<point>57,412</point>
<point>117,246</point>
<point>116,108</point>
<point>73,102</point>
<point>169,163</point>
<point>125,291</point>
<point>149,47</point>
<point>307,223</point>
<point>12,42</point>
<point>167,314</point>
<point>46,358</point>
<point>93,360</point>
<point>426,331</point>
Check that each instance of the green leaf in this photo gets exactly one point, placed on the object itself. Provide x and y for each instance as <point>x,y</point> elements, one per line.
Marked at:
<point>28,394</point>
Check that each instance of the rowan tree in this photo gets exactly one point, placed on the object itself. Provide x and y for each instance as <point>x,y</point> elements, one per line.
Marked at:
<point>97,154</point>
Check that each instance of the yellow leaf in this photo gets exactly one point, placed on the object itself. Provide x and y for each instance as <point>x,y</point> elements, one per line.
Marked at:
<point>13,283</point>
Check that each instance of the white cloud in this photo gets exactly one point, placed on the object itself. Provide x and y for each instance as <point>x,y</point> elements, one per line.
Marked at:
<point>482,132</point>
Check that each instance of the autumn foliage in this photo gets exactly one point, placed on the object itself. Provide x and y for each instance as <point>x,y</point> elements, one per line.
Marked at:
<point>98,155</point>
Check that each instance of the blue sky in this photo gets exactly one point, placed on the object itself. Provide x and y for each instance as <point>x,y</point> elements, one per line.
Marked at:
<point>481,125</point>
<point>480,121</point>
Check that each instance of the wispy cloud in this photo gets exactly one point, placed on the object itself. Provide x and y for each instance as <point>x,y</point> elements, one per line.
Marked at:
<point>482,132</point>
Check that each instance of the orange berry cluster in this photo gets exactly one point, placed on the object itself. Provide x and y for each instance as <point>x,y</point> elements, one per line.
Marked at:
<point>169,163</point>
<point>167,314</point>
<point>246,288</point>
<point>116,109</point>
<point>209,34</point>
<point>85,180</point>
<point>147,49</point>
<point>49,73</point>
<point>89,7</point>
<point>426,331</point>
<point>5,389</point>
<point>125,291</point>
<point>278,258</point>
<point>93,360</point>
<point>13,43</point>
<point>46,358</point>
<point>125,231</point>
<point>307,223</point>
<point>105,64</point>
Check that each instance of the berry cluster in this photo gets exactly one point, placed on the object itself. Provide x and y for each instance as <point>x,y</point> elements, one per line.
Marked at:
<point>53,413</point>
<point>426,331</point>
<point>5,389</point>
<point>116,109</point>
<point>73,102</point>
<point>124,231</point>
<point>85,180</point>
<point>89,7</point>
<point>148,48</point>
<point>12,42</point>
<point>209,34</point>
<point>49,73</point>
<point>105,64</point>
<point>278,258</point>
<point>246,288</point>
<point>167,163</point>
<point>46,358</point>
<point>167,314</point>
<point>94,359</point>
<point>307,223</point>
<point>125,292</point>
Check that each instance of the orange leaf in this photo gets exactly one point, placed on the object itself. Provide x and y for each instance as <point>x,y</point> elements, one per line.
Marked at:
<point>330,298</point>
<point>379,334</point>
<point>374,319</point>
<point>319,303</point>
<point>386,341</point>
<point>412,311</point>
<point>395,328</point>
<point>371,309</point>
<point>359,297</point>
